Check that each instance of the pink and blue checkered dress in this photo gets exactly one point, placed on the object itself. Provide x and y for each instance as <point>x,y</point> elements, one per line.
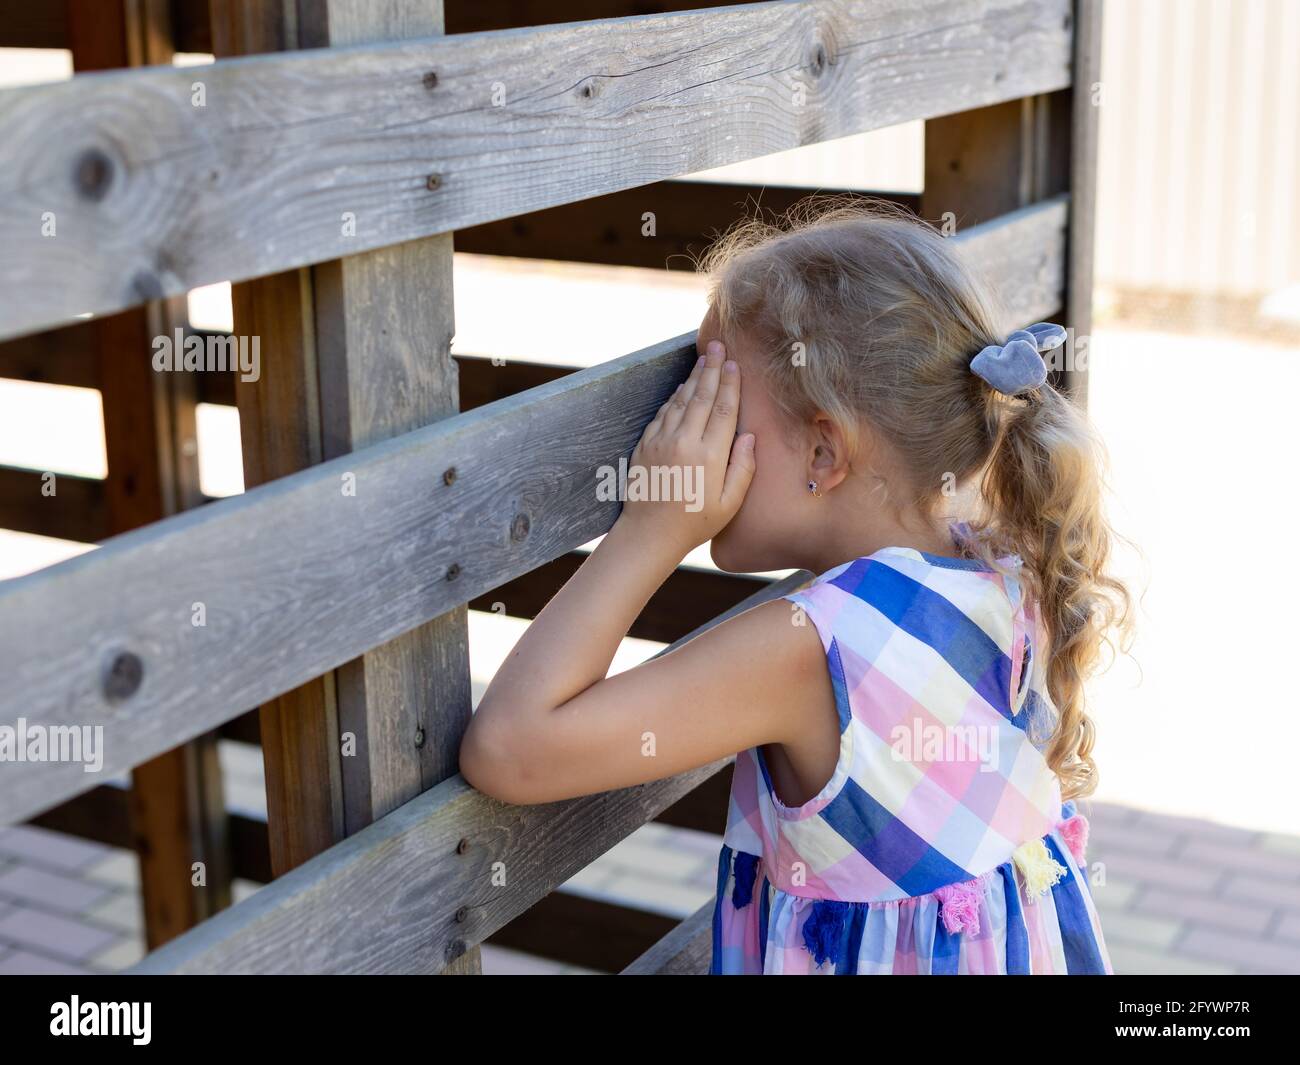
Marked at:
<point>940,844</point>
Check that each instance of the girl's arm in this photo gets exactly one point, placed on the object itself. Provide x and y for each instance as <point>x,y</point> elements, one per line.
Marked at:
<point>551,726</point>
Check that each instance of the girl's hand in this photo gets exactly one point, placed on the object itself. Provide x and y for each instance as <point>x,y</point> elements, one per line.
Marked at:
<point>689,473</point>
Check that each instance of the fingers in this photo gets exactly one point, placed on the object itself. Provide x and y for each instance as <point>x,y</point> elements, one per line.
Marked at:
<point>699,404</point>
<point>657,422</point>
<point>740,471</point>
<point>725,409</point>
<point>679,402</point>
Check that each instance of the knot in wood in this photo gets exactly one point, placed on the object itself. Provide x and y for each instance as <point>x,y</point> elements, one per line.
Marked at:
<point>123,676</point>
<point>93,174</point>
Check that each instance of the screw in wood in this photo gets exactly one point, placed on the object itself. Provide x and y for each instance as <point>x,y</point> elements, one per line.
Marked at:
<point>462,847</point>
<point>434,182</point>
<point>419,737</point>
<point>449,475</point>
<point>453,571</point>
<point>431,80</point>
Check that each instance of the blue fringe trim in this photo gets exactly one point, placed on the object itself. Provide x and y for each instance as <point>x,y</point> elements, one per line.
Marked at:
<point>746,869</point>
<point>823,931</point>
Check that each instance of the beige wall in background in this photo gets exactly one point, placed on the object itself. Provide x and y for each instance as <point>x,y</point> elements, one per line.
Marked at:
<point>1198,170</point>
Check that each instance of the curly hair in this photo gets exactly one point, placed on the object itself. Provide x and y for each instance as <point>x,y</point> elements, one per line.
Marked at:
<point>886,315</point>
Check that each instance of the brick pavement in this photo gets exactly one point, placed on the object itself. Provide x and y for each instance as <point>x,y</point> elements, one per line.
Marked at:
<point>1176,895</point>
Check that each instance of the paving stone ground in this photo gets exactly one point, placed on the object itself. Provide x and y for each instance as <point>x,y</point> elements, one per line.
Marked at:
<point>1176,896</point>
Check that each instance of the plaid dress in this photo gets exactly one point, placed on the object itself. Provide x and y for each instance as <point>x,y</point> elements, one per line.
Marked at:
<point>940,844</point>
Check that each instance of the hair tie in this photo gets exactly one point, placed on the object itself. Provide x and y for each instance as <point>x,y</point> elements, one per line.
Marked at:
<point>1017,365</point>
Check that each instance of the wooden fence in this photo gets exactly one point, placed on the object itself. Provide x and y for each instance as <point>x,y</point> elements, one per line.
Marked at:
<point>391,486</point>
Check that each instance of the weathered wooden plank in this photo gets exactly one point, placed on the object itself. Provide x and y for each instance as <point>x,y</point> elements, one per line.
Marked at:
<point>704,809</point>
<point>153,195</point>
<point>304,573</point>
<point>685,951</point>
<point>1027,245</point>
<point>76,511</point>
<point>301,574</point>
<point>420,886</point>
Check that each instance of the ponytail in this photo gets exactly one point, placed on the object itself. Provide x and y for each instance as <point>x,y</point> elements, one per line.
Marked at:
<point>1043,489</point>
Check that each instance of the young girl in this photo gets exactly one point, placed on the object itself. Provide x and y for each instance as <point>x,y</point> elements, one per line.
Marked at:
<point>909,728</point>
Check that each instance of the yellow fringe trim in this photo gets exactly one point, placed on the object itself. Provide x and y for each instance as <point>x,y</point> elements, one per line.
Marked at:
<point>1038,868</point>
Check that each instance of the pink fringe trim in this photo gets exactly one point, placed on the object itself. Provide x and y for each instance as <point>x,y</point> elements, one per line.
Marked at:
<point>1074,830</point>
<point>960,906</point>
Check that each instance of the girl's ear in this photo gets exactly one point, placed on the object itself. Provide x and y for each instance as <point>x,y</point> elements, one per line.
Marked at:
<point>829,460</point>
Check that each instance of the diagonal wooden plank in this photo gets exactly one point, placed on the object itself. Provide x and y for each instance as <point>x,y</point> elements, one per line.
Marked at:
<point>421,886</point>
<point>301,574</point>
<point>153,195</point>
<point>306,572</point>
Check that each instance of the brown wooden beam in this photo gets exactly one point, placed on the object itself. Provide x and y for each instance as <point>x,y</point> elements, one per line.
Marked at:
<point>76,511</point>
<point>104,815</point>
<point>686,600</point>
<point>579,930</point>
<point>664,225</point>
<point>472,16</point>
<point>48,24</point>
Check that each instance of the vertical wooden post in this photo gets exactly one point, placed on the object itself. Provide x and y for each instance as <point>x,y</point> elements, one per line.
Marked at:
<point>990,160</point>
<point>177,809</point>
<point>1084,120</point>
<point>354,351</point>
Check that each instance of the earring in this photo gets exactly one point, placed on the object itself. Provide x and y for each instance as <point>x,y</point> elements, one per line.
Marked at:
<point>812,487</point>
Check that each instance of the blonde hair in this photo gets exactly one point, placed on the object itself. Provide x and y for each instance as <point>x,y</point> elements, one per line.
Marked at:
<point>887,318</point>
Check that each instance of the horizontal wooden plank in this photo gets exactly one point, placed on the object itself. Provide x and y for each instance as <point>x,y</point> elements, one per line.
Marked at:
<point>686,951</point>
<point>1022,256</point>
<point>301,157</point>
<point>704,809</point>
<point>77,510</point>
<point>416,889</point>
<point>304,573</point>
<point>297,577</point>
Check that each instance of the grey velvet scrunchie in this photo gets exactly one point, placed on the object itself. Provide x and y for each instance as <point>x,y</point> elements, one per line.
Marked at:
<point>1017,365</point>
